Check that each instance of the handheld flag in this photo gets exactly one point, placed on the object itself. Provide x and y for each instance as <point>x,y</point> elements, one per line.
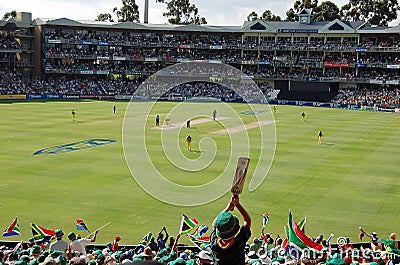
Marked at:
<point>187,224</point>
<point>80,225</point>
<point>199,242</point>
<point>13,229</point>
<point>265,219</point>
<point>41,234</point>
<point>146,239</point>
<point>298,240</point>
<point>302,224</point>
<point>199,232</point>
<point>198,238</point>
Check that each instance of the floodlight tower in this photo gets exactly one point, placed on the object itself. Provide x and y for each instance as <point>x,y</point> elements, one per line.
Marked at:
<point>146,11</point>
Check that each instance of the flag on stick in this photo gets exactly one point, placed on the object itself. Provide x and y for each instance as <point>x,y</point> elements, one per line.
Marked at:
<point>199,232</point>
<point>17,246</point>
<point>41,234</point>
<point>13,229</point>
<point>298,240</point>
<point>80,225</point>
<point>146,239</point>
<point>187,224</point>
<point>200,242</point>
<point>302,224</point>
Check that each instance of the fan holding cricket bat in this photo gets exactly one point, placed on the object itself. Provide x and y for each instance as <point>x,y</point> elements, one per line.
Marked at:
<point>228,238</point>
<point>240,175</point>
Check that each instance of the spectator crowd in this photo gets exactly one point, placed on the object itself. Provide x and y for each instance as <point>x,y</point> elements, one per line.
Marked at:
<point>12,82</point>
<point>263,249</point>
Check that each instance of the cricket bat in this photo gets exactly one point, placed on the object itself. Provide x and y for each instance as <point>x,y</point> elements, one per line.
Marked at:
<point>240,175</point>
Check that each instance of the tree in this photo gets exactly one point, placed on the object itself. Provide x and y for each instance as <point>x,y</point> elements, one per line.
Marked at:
<point>298,5</point>
<point>252,16</point>
<point>269,16</point>
<point>291,15</point>
<point>182,12</point>
<point>377,12</point>
<point>266,16</point>
<point>104,17</point>
<point>11,14</point>
<point>128,12</point>
<point>326,11</point>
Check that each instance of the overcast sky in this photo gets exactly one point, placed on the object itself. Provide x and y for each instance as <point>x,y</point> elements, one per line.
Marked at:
<point>216,12</point>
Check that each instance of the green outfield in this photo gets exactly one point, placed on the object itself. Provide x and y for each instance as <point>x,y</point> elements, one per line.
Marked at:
<point>351,179</point>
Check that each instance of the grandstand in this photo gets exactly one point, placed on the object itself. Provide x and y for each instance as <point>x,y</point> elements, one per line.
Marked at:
<point>61,56</point>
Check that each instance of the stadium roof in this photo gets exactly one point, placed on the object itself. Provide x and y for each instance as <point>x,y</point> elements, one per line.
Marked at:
<point>12,24</point>
<point>336,26</point>
<point>134,26</point>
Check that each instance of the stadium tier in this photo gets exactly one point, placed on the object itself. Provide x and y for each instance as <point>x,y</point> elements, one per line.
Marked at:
<point>304,60</point>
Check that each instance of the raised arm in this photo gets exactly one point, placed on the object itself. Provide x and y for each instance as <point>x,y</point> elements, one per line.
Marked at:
<point>175,247</point>
<point>228,208</point>
<point>95,235</point>
<point>242,210</point>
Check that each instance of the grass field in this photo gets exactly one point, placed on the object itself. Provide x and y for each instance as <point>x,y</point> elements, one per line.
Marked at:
<point>352,179</point>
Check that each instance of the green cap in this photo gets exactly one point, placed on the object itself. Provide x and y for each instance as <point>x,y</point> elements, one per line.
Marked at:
<point>36,249</point>
<point>227,225</point>
<point>59,232</point>
<point>71,235</point>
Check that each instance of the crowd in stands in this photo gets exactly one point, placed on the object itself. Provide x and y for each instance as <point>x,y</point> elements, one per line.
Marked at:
<point>263,249</point>
<point>13,83</point>
<point>362,96</point>
<point>298,58</point>
<point>218,42</point>
<point>292,59</point>
<point>227,244</point>
<point>299,66</point>
<point>8,42</point>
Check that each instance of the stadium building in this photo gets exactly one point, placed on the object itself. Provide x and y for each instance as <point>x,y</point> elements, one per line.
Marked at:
<point>303,60</point>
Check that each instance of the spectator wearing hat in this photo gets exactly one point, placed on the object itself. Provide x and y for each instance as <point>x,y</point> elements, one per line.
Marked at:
<point>78,245</point>
<point>31,243</point>
<point>228,238</point>
<point>76,261</point>
<point>25,258</point>
<point>115,245</point>
<point>375,245</point>
<point>36,250</point>
<point>205,257</point>
<point>48,261</point>
<point>147,254</point>
<point>179,261</point>
<point>59,244</point>
<point>108,248</point>
<point>110,260</point>
<point>256,245</point>
<point>192,257</point>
